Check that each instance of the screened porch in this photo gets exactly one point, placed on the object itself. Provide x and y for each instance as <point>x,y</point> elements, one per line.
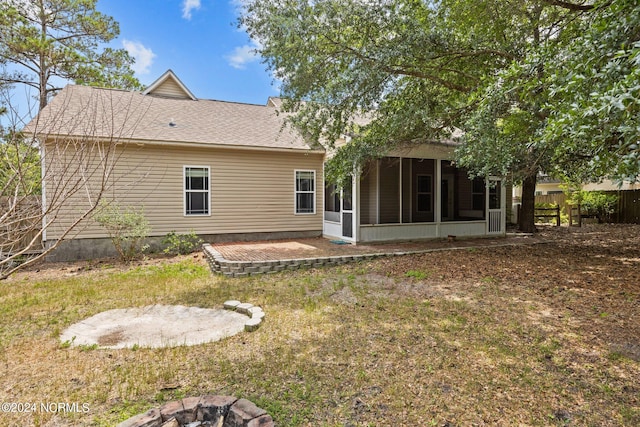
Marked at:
<point>398,198</point>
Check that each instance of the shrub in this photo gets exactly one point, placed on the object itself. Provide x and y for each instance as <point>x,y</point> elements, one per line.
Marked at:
<point>599,204</point>
<point>181,244</point>
<point>596,203</point>
<point>127,228</point>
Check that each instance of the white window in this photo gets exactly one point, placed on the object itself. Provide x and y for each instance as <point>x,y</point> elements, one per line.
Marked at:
<point>305,192</point>
<point>196,190</point>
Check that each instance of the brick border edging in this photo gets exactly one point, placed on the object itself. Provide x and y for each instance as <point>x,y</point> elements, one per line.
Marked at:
<point>234,412</point>
<point>220,265</point>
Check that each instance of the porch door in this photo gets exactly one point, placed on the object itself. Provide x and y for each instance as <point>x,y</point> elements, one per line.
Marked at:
<point>495,223</point>
<point>347,210</point>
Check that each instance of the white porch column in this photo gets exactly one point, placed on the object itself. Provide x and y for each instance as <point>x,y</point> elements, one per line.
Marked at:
<point>355,205</point>
<point>503,206</point>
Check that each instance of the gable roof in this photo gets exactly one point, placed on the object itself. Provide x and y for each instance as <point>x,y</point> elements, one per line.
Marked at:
<point>82,111</point>
<point>169,85</point>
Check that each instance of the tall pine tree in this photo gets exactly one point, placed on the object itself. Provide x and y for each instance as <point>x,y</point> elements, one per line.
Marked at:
<point>45,43</point>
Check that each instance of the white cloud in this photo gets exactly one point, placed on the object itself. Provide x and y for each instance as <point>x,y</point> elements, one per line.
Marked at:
<point>143,56</point>
<point>243,55</point>
<point>188,6</point>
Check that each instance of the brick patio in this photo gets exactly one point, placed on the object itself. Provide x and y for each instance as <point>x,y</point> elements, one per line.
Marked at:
<point>240,259</point>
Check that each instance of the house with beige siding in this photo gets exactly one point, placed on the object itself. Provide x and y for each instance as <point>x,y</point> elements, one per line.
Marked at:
<point>232,171</point>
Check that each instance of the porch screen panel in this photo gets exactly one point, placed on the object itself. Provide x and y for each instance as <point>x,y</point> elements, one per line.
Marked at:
<point>423,190</point>
<point>472,196</point>
<point>478,194</point>
<point>389,190</point>
<point>465,193</point>
<point>494,195</point>
<point>407,191</point>
<point>347,225</point>
<point>468,194</point>
<point>331,202</point>
<point>367,195</point>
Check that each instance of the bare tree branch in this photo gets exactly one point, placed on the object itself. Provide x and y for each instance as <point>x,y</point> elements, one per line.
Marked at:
<point>54,176</point>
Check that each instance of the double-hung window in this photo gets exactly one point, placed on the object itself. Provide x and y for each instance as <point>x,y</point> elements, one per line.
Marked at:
<point>305,192</point>
<point>197,199</point>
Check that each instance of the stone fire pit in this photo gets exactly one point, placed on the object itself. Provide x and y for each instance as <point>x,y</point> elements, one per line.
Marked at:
<point>203,411</point>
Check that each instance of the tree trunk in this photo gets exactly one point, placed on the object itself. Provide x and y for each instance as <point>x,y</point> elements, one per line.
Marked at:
<point>526,221</point>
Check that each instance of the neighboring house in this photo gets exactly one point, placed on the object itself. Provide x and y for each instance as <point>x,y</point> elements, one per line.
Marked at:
<point>553,186</point>
<point>231,171</point>
<point>547,185</point>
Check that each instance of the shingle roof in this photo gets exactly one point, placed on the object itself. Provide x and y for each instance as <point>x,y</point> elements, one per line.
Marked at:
<point>112,113</point>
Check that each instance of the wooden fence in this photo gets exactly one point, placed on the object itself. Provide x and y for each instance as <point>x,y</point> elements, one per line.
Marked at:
<point>629,207</point>
<point>627,212</point>
<point>546,214</point>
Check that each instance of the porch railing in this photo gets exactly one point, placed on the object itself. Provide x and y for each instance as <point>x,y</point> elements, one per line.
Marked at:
<point>495,221</point>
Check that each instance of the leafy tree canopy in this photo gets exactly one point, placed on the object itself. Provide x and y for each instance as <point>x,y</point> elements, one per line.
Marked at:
<point>594,97</point>
<point>397,58</point>
<point>44,39</point>
<point>420,66</point>
<point>572,102</point>
<point>496,70</point>
<point>19,166</point>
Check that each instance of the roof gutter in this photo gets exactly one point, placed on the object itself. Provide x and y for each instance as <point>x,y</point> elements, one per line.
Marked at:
<point>181,144</point>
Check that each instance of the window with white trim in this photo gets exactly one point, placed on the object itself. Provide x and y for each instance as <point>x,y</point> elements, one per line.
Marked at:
<point>305,193</point>
<point>196,190</point>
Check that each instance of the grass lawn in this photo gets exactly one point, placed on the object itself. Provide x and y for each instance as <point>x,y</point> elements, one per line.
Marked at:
<point>532,335</point>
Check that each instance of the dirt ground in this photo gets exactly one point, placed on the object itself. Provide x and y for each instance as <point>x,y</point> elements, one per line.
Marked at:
<point>61,270</point>
<point>592,272</point>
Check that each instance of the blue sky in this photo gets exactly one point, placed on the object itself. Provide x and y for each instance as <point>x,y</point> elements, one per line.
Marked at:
<point>198,40</point>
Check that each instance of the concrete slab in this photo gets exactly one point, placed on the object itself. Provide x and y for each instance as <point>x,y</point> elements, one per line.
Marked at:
<point>155,326</point>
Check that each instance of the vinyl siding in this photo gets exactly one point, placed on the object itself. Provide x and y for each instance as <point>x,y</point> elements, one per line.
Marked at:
<point>171,89</point>
<point>250,190</point>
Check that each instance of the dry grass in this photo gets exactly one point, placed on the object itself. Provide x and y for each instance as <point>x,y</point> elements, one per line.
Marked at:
<point>536,335</point>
